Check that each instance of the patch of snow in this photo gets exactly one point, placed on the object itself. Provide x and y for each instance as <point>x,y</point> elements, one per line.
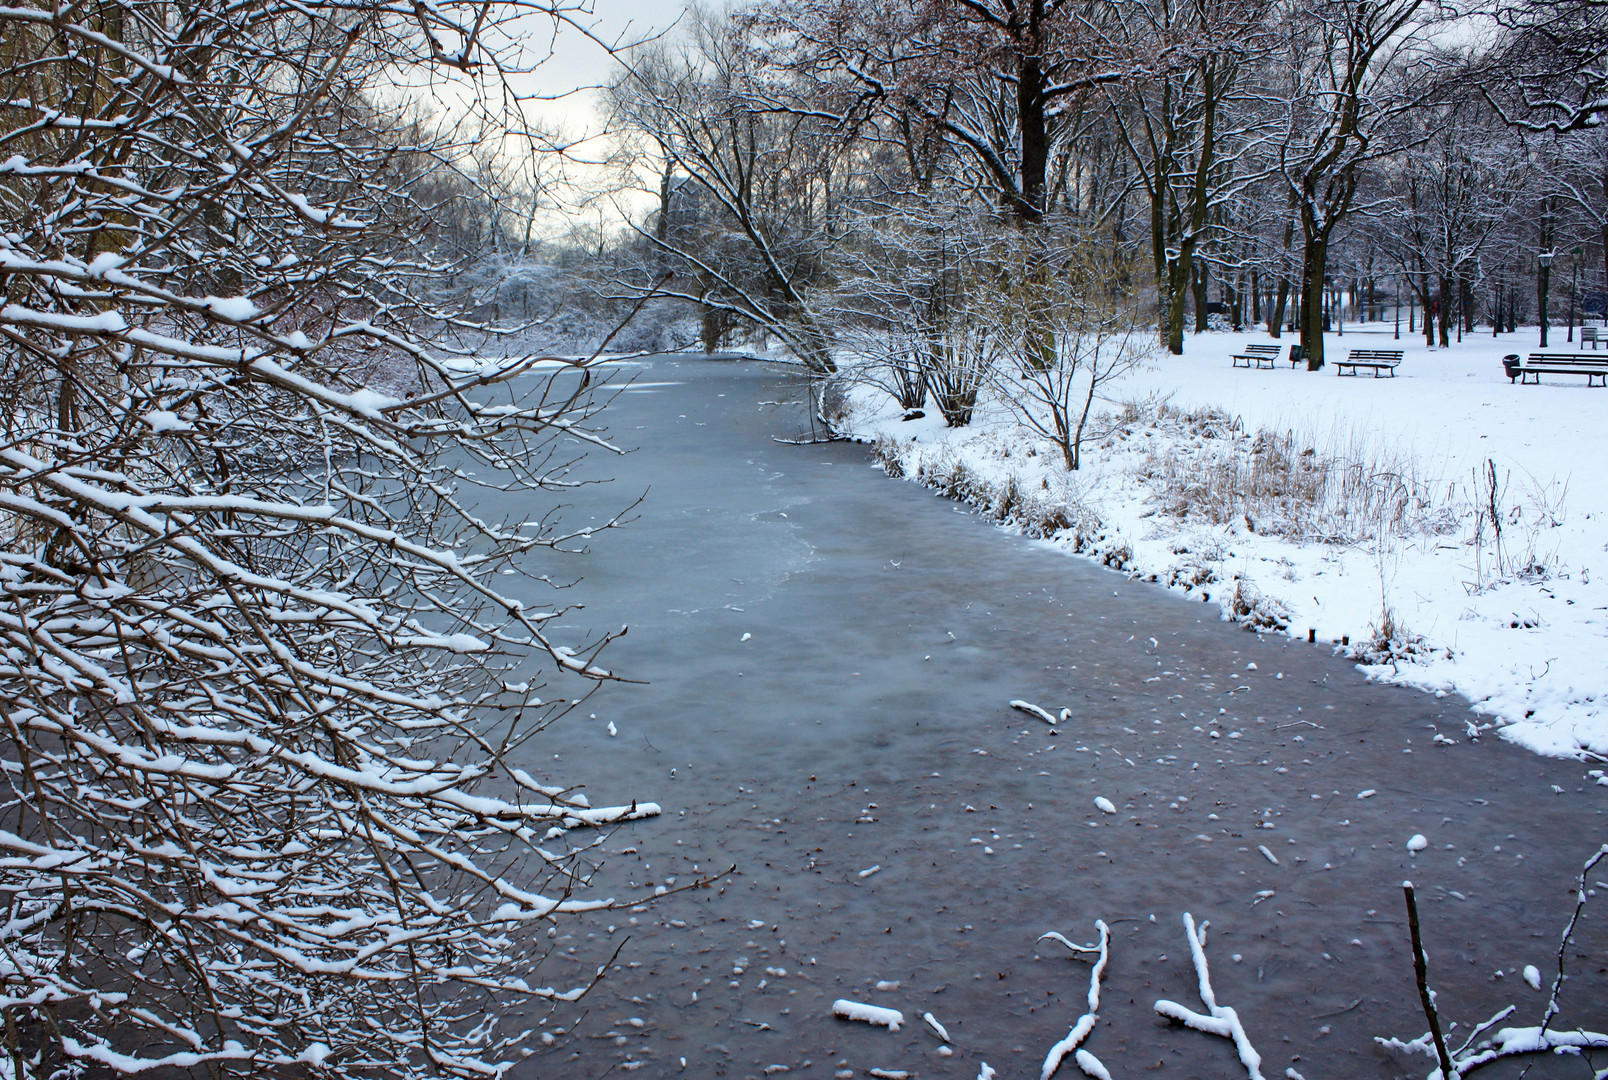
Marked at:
<point>1033,710</point>
<point>871,1014</point>
<point>1090,1065</point>
<point>160,420</point>
<point>233,308</point>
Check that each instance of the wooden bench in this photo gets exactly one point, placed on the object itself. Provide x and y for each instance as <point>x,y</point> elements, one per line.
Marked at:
<point>1595,370</point>
<point>1380,360</point>
<point>1589,333</point>
<point>1257,355</point>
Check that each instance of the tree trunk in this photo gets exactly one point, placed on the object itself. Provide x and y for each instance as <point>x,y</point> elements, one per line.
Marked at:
<point>1448,309</point>
<point>1202,289</point>
<point>1427,300</point>
<point>1314,258</point>
<point>1543,274</point>
<point>1179,273</point>
<point>1543,285</point>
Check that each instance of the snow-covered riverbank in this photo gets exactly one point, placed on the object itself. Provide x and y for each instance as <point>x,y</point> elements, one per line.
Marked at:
<point>1357,511</point>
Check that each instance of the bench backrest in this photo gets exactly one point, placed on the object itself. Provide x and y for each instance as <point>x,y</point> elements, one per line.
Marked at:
<point>1588,333</point>
<point>1376,354</point>
<point>1264,350</point>
<point>1569,359</point>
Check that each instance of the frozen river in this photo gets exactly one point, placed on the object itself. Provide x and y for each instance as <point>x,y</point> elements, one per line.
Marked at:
<point>827,659</point>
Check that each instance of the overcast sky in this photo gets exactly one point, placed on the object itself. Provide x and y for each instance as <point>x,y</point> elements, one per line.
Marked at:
<point>578,62</point>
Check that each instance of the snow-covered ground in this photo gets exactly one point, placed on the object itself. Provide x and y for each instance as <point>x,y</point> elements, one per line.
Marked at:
<point>1368,518</point>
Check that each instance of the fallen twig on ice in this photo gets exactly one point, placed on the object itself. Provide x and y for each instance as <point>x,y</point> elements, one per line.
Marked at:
<point>1080,1030</point>
<point>1222,1020</point>
<point>1033,710</point>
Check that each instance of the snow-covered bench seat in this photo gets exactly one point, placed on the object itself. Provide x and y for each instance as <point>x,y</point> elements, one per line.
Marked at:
<point>1257,355</point>
<point>1538,364</point>
<point>1381,360</point>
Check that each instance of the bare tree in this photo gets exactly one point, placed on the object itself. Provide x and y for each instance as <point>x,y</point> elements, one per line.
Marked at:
<point>1549,70</point>
<point>1097,339</point>
<point>1342,104</point>
<point>262,804</point>
<point>1449,199</point>
<point>746,188</point>
<point>1185,129</point>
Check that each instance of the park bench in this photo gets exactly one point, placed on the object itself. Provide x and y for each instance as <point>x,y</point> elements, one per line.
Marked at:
<point>1538,364</point>
<point>1589,333</point>
<point>1380,360</point>
<point>1257,355</point>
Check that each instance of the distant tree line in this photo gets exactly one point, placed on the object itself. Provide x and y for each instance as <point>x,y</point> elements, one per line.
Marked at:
<point>1254,162</point>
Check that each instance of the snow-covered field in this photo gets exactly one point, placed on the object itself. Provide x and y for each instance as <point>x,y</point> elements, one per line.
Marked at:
<point>1353,510</point>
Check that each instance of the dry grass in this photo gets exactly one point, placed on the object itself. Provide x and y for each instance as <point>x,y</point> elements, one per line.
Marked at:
<point>1207,468</point>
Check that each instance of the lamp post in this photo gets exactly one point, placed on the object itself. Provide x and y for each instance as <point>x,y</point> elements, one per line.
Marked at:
<point>1398,308</point>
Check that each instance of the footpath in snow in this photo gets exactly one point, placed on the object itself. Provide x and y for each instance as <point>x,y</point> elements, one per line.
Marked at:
<point>1445,527</point>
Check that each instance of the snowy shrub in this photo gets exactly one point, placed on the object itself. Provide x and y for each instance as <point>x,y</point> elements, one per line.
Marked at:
<point>263,808</point>
<point>889,453</point>
<point>1190,573</point>
<point>957,368</point>
<point>905,377</point>
<point>1249,606</point>
<point>1388,642</point>
<point>1117,555</point>
<point>1506,528</point>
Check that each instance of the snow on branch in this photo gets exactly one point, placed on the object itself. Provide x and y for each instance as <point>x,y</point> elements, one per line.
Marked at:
<point>265,693</point>
<point>1071,1044</point>
<point>1476,1050</point>
<point>1218,1019</point>
<point>1034,710</point>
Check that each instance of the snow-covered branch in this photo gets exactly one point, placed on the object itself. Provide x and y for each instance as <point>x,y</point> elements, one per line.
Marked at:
<point>1218,1019</point>
<point>1072,1043</point>
<point>264,691</point>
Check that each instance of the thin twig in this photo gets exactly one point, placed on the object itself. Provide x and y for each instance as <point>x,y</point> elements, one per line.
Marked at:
<point>1421,973</point>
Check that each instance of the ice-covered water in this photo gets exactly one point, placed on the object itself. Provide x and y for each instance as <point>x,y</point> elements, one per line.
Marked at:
<point>828,662</point>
